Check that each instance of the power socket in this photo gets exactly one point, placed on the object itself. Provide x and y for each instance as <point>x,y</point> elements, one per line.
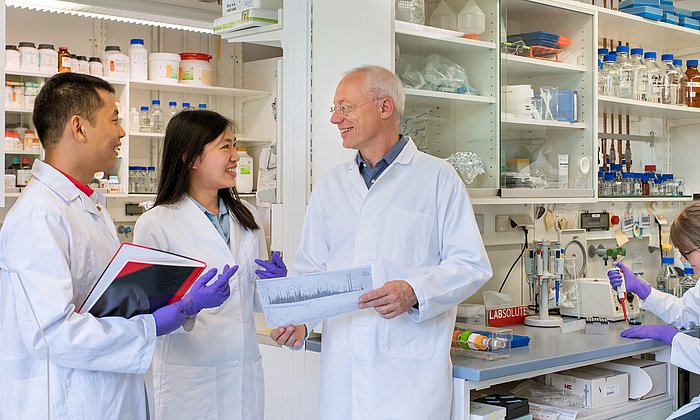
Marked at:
<point>503,223</point>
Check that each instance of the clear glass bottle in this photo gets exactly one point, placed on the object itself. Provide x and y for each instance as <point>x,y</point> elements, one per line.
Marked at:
<point>656,76</point>
<point>683,95</point>
<point>611,76</point>
<point>687,282</point>
<point>671,86</point>
<point>666,279</point>
<point>157,117</point>
<point>640,77</point>
<point>202,106</point>
<point>602,52</point>
<point>186,106</point>
<point>171,112</point>
<point>626,69</point>
<point>145,125</point>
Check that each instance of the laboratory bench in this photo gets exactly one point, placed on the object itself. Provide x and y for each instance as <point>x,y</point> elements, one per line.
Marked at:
<point>549,351</point>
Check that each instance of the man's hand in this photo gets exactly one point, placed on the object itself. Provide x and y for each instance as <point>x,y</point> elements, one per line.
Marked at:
<point>391,300</point>
<point>290,336</point>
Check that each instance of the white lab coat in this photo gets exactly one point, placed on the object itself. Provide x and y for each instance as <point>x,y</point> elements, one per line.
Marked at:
<point>682,313</point>
<point>416,223</point>
<point>54,244</point>
<point>214,371</point>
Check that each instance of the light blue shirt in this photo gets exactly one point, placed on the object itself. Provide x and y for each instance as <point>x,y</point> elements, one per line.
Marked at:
<point>369,174</point>
<point>220,222</point>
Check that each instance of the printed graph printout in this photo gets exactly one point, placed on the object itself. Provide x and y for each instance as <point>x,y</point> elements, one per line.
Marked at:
<point>312,297</point>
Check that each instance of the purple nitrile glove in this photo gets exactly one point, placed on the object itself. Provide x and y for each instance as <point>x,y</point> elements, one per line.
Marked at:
<point>215,294</point>
<point>632,283</point>
<point>664,333</point>
<point>273,268</point>
<point>171,317</point>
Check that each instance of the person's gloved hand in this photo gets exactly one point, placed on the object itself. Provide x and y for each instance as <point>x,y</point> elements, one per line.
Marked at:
<point>632,283</point>
<point>211,296</point>
<point>273,268</point>
<point>664,333</point>
<point>171,317</point>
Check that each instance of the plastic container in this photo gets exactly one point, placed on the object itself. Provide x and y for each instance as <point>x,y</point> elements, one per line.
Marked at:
<point>74,64</point>
<point>412,11</point>
<point>64,60</point>
<point>648,12</point>
<point>195,69</point>
<point>488,343</point>
<point>48,59</point>
<point>117,66</point>
<point>163,67</point>
<point>12,57</point>
<point>244,172</point>
<point>95,67</point>
<point>444,17</point>
<point>83,65</point>
<point>28,56</point>
<point>471,20</point>
<point>138,60</point>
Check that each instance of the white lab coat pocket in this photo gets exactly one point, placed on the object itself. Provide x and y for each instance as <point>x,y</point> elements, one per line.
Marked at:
<point>82,403</point>
<point>403,337</point>
<point>335,333</point>
<point>406,236</point>
<point>188,392</point>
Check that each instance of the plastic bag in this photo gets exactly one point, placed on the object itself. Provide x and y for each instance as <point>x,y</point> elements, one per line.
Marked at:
<point>544,394</point>
<point>446,75</point>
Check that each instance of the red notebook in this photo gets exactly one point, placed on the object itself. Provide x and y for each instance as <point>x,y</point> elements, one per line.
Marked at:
<point>139,280</point>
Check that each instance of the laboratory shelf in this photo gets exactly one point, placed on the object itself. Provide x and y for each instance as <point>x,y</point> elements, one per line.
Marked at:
<point>534,10</point>
<point>532,124</point>
<point>517,66</point>
<point>21,152</point>
<point>144,134</point>
<point>484,201</point>
<point>268,35</point>
<point>424,43</point>
<point>18,111</point>
<point>36,74</point>
<point>646,199</point>
<point>432,98</point>
<point>609,104</point>
<point>200,90</point>
<point>633,409</point>
<point>653,36</point>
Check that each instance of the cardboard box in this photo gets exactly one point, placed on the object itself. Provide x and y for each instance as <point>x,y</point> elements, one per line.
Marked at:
<point>235,6</point>
<point>599,387</point>
<point>245,19</point>
<point>647,377</point>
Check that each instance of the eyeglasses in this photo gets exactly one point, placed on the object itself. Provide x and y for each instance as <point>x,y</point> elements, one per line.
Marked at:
<point>346,109</point>
<point>686,254</point>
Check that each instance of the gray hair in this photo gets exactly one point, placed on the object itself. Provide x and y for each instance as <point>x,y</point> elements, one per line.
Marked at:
<point>380,83</point>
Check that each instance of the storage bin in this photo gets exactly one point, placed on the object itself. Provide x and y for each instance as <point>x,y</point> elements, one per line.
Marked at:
<point>163,67</point>
<point>195,69</point>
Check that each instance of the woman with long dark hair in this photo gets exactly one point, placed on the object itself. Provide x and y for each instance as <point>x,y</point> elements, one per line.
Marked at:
<point>214,370</point>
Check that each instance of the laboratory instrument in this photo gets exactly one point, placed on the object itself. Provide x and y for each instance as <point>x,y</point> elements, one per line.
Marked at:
<point>544,264</point>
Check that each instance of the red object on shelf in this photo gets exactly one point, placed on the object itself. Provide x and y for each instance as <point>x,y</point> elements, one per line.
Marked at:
<point>563,41</point>
<point>545,53</point>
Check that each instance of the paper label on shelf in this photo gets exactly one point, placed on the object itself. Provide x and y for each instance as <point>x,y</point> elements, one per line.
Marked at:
<point>620,237</point>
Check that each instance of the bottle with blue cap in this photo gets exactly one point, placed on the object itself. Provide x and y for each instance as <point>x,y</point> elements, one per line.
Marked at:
<point>687,282</point>
<point>145,125</point>
<point>671,86</point>
<point>624,66</point>
<point>157,117</point>
<point>640,76</point>
<point>666,279</point>
<point>656,76</point>
<point>611,76</point>
<point>678,64</point>
<point>138,60</point>
<point>692,91</point>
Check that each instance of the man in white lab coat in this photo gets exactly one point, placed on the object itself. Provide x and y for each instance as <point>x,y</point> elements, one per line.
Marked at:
<point>54,244</point>
<point>408,215</point>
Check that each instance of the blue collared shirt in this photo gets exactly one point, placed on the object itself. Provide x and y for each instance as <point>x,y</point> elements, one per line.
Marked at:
<point>220,222</point>
<point>370,175</point>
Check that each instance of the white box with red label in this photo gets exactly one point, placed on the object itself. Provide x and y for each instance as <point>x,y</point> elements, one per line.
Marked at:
<point>599,387</point>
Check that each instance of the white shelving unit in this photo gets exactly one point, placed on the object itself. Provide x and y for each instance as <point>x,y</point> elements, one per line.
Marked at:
<point>525,66</point>
<point>432,98</point>
<point>609,104</point>
<point>532,124</point>
<point>199,90</point>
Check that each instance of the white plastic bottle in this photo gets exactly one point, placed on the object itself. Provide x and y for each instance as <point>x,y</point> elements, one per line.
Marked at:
<point>134,118</point>
<point>471,20</point>
<point>244,172</point>
<point>138,60</point>
<point>157,117</point>
<point>444,17</point>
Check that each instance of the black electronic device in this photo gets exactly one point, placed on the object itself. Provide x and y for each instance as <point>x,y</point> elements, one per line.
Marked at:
<point>598,220</point>
<point>515,407</point>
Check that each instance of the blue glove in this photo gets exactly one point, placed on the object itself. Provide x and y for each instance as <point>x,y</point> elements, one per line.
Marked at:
<point>632,283</point>
<point>664,333</point>
<point>171,317</point>
<point>211,296</point>
<point>274,268</point>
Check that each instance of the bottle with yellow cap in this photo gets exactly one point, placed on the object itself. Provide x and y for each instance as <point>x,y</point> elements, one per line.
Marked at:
<point>244,171</point>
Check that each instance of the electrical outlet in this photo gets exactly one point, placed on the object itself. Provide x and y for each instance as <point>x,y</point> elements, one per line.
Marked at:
<point>503,223</point>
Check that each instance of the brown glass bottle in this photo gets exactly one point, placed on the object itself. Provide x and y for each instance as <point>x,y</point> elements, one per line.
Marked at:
<point>693,89</point>
<point>63,60</point>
